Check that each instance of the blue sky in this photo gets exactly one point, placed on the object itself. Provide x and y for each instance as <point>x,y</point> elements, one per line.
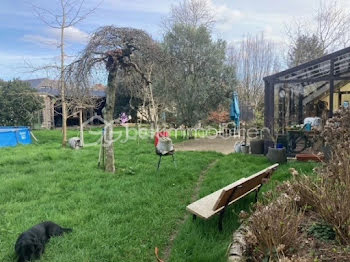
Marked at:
<point>24,37</point>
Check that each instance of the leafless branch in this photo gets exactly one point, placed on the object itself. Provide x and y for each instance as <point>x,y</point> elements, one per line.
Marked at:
<point>330,25</point>
<point>254,59</point>
<point>71,12</point>
<point>193,13</point>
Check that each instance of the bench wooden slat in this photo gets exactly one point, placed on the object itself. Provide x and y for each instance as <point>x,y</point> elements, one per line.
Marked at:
<point>204,212</point>
<point>203,207</point>
<point>252,182</point>
<point>213,203</point>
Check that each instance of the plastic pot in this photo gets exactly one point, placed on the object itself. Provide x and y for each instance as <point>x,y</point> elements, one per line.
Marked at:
<point>267,145</point>
<point>257,146</point>
<point>277,155</point>
<point>245,149</point>
<point>237,147</point>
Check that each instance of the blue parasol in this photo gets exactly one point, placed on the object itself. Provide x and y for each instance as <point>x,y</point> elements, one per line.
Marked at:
<point>234,110</point>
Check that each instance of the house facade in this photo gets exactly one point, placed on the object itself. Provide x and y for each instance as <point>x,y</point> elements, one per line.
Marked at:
<point>50,116</point>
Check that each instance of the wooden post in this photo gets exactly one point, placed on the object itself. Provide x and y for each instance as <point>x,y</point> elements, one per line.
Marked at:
<point>101,155</point>
<point>331,89</point>
<point>269,104</point>
<point>81,127</point>
<point>288,104</point>
<point>300,109</point>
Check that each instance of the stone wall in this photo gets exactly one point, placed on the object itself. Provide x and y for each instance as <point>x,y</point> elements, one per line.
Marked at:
<point>48,112</point>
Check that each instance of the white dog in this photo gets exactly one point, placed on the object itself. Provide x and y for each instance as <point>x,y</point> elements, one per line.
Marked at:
<point>74,142</point>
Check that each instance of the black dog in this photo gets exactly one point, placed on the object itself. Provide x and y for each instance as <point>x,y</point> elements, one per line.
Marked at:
<point>31,244</point>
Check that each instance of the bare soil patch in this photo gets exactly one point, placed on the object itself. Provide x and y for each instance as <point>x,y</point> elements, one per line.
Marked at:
<point>224,145</point>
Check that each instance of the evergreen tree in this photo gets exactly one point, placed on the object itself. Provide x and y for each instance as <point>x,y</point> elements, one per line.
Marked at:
<point>18,103</point>
<point>306,48</point>
<point>199,79</point>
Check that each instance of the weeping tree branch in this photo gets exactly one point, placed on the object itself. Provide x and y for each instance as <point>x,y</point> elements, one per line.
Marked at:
<point>119,51</point>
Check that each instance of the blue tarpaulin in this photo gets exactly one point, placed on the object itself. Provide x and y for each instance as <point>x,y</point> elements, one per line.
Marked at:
<point>234,110</point>
<point>12,136</point>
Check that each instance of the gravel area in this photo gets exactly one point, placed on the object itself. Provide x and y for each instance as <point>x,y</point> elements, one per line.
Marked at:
<point>224,145</point>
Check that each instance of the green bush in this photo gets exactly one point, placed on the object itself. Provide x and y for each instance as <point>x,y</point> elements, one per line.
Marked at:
<point>321,231</point>
<point>18,102</point>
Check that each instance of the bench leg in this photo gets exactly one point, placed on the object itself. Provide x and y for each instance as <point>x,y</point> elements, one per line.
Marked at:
<point>221,217</point>
<point>160,159</point>
<point>194,217</point>
<point>256,194</point>
<point>222,212</point>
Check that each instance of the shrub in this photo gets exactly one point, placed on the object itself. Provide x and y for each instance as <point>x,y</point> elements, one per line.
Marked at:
<point>295,259</point>
<point>329,196</point>
<point>337,131</point>
<point>18,102</point>
<point>329,193</point>
<point>218,117</point>
<point>321,231</point>
<point>275,228</point>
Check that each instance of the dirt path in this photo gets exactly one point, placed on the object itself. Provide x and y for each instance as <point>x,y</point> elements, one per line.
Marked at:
<point>194,197</point>
<point>219,144</point>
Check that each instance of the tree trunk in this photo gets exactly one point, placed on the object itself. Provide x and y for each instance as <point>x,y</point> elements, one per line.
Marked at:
<point>109,117</point>
<point>63,95</point>
<point>149,117</point>
<point>190,134</point>
<point>81,127</point>
<point>153,110</point>
<point>64,121</point>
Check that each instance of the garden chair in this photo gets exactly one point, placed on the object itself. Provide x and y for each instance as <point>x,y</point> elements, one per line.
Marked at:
<point>163,146</point>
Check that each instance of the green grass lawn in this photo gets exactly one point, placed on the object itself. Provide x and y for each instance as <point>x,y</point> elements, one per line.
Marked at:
<point>122,216</point>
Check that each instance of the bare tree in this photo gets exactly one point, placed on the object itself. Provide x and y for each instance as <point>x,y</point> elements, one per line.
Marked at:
<point>115,49</point>
<point>79,98</point>
<point>193,13</point>
<point>333,23</point>
<point>69,14</point>
<point>150,92</point>
<point>141,91</point>
<point>254,58</point>
<point>330,26</point>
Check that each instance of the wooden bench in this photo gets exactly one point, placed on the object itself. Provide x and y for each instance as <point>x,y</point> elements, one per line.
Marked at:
<point>218,201</point>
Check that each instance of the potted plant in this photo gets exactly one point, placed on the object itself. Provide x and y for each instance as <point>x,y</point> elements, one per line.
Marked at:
<point>276,153</point>
<point>257,146</point>
<point>244,146</point>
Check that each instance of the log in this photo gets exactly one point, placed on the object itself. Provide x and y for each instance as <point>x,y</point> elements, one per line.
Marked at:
<point>238,245</point>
